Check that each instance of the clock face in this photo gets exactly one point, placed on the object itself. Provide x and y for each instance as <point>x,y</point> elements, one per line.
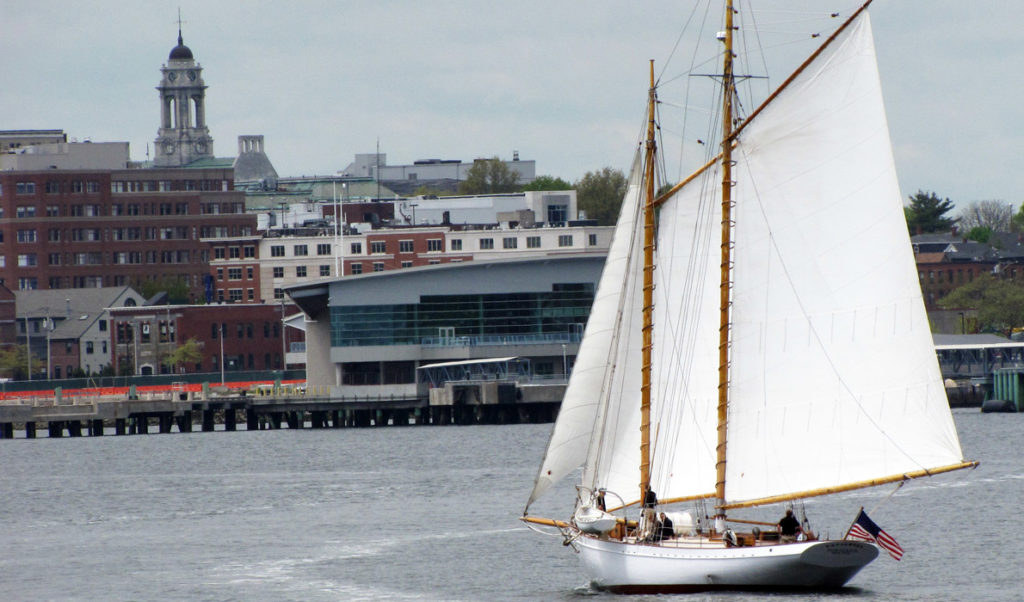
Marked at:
<point>201,146</point>
<point>169,148</point>
<point>192,75</point>
<point>172,76</point>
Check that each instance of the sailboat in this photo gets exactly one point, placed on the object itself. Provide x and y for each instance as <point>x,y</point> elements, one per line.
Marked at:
<point>758,338</point>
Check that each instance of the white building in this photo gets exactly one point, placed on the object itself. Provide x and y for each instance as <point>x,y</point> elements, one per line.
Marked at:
<point>375,165</point>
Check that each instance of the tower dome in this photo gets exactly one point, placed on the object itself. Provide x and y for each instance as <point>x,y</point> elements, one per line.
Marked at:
<point>181,51</point>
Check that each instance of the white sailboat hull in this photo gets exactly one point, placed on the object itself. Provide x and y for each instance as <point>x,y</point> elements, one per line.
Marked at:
<point>649,568</point>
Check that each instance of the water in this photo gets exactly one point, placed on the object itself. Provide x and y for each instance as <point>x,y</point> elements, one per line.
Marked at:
<point>420,513</point>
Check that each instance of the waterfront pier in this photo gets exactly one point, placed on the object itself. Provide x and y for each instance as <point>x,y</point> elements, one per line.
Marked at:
<point>277,408</point>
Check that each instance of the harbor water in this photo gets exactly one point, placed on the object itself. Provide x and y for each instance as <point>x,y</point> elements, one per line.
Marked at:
<point>418,513</point>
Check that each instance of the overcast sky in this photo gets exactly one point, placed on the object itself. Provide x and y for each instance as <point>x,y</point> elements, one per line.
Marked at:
<point>563,83</point>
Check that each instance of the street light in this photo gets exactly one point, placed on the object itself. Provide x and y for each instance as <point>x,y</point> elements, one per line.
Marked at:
<point>28,346</point>
<point>223,330</point>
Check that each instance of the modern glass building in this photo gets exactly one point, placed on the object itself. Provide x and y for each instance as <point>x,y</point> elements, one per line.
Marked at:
<point>368,334</point>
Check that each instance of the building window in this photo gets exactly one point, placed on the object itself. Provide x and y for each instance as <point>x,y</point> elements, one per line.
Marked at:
<point>456,244</point>
<point>53,211</point>
<point>88,346</point>
<point>52,187</point>
<point>234,295</point>
<point>356,268</point>
<point>325,270</point>
<point>24,211</point>
<point>278,293</point>
<point>250,252</point>
<point>557,213</point>
<point>406,264</point>
<point>323,248</point>
<point>565,240</point>
<point>378,267</point>
<point>25,188</point>
<point>405,246</point>
<point>300,271</point>
<point>532,242</point>
<point>357,248</point>
<point>234,273</point>
<point>435,245</point>
<point>509,243</point>
<point>277,251</point>
<point>486,243</point>
<point>249,272</point>
<point>378,247</point>
<point>26,235</point>
<point>278,271</point>
<point>27,260</point>
<point>300,250</point>
<point>234,252</point>
<point>220,273</point>
<point>592,240</point>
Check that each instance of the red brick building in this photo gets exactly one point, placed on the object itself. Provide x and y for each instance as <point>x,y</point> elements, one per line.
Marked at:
<point>90,228</point>
<point>8,328</point>
<point>248,336</point>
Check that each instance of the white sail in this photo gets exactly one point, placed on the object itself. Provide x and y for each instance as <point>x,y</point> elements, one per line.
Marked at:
<point>834,377</point>
<point>685,360</point>
<point>600,352</point>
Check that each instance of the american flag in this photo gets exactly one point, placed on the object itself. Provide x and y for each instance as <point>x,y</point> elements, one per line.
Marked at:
<point>865,529</point>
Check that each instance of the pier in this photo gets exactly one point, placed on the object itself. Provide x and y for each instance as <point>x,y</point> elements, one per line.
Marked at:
<point>285,407</point>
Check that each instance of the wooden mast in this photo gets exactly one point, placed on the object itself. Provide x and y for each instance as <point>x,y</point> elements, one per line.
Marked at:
<point>645,374</point>
<point>728,88</point>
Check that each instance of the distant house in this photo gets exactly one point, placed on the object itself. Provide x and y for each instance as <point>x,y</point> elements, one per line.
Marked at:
<point>68,329</point>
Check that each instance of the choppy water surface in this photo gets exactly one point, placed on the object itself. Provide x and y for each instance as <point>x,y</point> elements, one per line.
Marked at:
<point>419,513</point>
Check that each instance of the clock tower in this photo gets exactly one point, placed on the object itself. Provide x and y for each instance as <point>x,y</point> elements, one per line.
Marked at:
<point>183,136</point>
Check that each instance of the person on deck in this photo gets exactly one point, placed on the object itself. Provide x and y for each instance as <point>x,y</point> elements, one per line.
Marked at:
<point>789,527</point>
<point>663,528</point>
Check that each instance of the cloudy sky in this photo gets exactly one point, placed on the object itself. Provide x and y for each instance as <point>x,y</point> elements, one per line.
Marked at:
<point>563,83</point>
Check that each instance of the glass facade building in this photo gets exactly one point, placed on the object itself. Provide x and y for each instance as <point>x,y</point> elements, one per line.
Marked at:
<point>558,315</point>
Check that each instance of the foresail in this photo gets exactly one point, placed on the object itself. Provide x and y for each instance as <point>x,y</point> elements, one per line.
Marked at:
<point>587,396</point>
<point>834,378</point>
<point>685,362</point>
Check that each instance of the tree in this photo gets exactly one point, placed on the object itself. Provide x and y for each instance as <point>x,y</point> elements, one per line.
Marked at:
<point>489,176</point>
<point>431,191</point>
<point>980,234</point>
<point>927,213</point>
<point>994,215</point>
<point>1000,303</point>
<point>187,353</point>
<point>14,362</point>
<point>1017,221</point>
<point>599,194</point>
<point>176,288</point>
<point>547,183</point>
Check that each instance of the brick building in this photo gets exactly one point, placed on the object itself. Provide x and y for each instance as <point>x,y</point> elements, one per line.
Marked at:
<point>245,336</point>
<point>92,228</point>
